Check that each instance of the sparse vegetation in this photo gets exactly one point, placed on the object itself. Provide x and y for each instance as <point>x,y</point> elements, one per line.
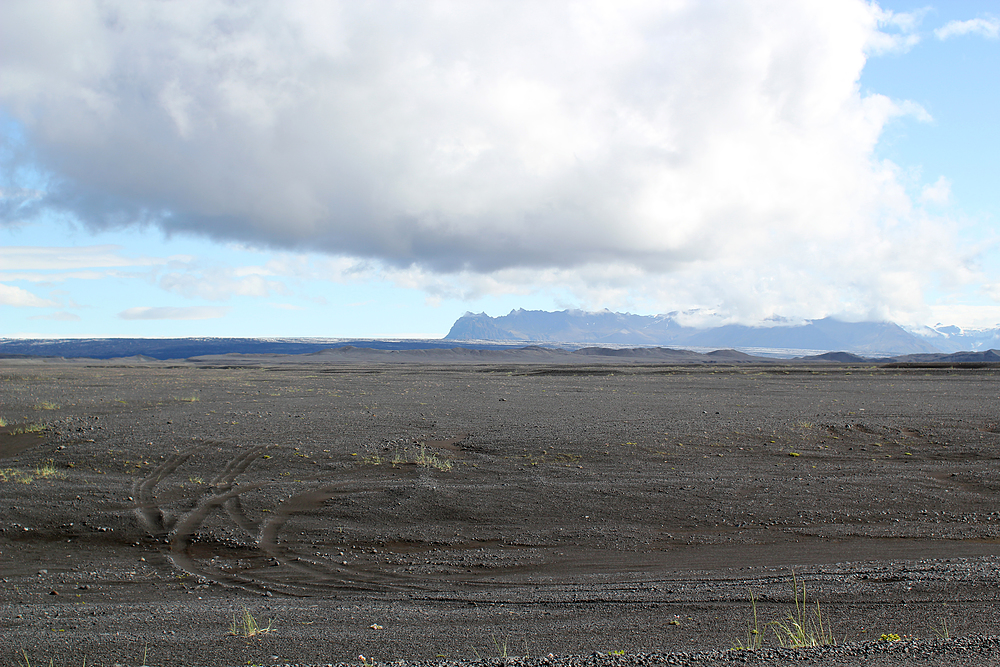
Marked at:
<point>246,626</point>
<point>29,428</point>
<point>45,471</point>
<point>423,457</point>
<point>47,405</point>
<point>805,627</point>
<point>754,638</point>
<point>24,661</point>
<point>500,649</point>
<point>48,470</point>
<point>27,662</point>
<point>432,460</point>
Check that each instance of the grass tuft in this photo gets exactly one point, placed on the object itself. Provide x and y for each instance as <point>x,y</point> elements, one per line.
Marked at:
<point>804,627</point>
<point>754,638</point>
<point>500,649</point>
<point>432,460</point>
<point>246,626</point>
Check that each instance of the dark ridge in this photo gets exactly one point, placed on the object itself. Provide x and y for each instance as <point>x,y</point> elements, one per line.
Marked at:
<point>163,349</point>
<point>838,357</point>
<point>732,355</point>
<point>987,356</point>
<point>636,352</point>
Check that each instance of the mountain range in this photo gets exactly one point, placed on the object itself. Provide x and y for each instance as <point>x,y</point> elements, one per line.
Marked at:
<point>869,339</point>
<point>537,335</point>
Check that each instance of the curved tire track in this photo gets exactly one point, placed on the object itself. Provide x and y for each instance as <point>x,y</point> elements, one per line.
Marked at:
<point>180,529</point>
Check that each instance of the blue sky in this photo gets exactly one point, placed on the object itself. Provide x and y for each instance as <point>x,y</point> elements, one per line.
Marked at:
<point>375,170</point>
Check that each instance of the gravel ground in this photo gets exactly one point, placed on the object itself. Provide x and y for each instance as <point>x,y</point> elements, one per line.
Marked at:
<point>438,513</point>
<point>976,650</point>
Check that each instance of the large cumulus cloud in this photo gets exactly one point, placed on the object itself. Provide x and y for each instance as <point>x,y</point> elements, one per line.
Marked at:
<point>719,151</point>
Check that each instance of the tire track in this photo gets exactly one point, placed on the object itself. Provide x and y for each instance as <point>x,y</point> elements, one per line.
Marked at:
<point>180,532</point>
<point>262,561</point>
<point>147,507</point>
<point>343,576</point>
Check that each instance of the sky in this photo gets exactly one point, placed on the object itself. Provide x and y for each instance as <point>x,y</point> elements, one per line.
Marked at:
<point>376,169</point>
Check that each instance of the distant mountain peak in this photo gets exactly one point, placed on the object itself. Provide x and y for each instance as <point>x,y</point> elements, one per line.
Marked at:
<point>828,334</point>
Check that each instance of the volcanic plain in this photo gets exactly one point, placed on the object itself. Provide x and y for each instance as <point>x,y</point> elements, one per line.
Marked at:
<point>423,511</point>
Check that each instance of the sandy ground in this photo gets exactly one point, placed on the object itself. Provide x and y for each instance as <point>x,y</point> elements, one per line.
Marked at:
<point>420,511</point>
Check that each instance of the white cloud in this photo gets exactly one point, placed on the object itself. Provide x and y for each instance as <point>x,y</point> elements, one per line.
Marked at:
<point>21,298</point>
<point>899,30</point>
<point>971,317</point>
<point>52,277</point>
<point>987,27</point>
<point>937,193</point>
<point>28,258</point>
<point>219,284</point>
<point>691,153</point>
<point>174,313</point>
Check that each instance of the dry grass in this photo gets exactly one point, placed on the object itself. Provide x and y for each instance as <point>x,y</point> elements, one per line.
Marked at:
<point>805,627</point>
<point>754,638</point>
<point>29,428</point>
<point>246,626</point>
<point>423,457</point>
<point>431,460</point>
<point>46,471</point>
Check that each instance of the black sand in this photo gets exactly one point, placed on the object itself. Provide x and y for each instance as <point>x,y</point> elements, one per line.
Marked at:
<point>420,511</point>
